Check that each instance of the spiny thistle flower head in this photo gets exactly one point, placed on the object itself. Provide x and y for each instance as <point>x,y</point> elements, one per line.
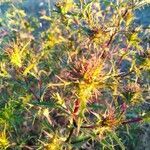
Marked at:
<point>110,118</point>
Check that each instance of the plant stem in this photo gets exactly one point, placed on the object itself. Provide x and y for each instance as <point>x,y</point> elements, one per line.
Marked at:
<point>135,120</point>
<point>49,7</point>
<point>30,90</point>
<point>70,134</point>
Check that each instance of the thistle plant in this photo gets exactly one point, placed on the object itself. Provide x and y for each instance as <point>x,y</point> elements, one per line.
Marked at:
<point>84,79</point>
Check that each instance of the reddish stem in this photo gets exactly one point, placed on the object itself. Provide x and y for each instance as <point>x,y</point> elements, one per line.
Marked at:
<point>135,120</point>
<point>76,107</point>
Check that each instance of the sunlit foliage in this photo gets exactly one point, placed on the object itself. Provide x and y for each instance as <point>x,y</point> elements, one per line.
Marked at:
<point>83,77</point>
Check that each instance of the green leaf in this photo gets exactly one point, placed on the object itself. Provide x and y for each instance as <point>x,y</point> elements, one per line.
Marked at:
<point>80,140</point>
<point>49,104</point>
<point>114,136</point>
<point>96,106</point>
<point>46,18</point>
<point>27,70</point>
<point>107,3</point>
<point>146,117</point>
